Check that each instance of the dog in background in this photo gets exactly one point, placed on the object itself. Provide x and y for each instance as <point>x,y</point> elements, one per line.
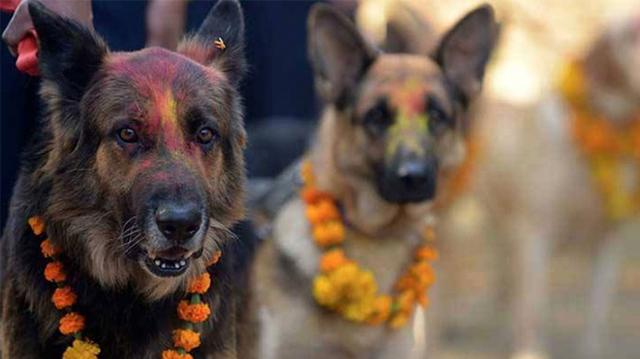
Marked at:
<point>138,173</point>
<point>384,168</point>
<point>544,189</point>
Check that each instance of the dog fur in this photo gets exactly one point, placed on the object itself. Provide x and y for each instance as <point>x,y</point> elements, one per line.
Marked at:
<point>93,189</point>
<point>352,155</point>
<point>538,191</point>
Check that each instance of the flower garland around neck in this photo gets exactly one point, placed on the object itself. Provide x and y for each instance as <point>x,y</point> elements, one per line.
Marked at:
<point>191,310</point>
<point>349,290</point>
<point>606,147</point>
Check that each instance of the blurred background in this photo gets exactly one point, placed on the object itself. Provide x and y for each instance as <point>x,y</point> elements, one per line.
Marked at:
<point>472,313</point>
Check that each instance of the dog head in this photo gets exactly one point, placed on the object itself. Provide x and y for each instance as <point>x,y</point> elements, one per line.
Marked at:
<point>146,157</point>
<point>402,117</point>
<point>611,68</point>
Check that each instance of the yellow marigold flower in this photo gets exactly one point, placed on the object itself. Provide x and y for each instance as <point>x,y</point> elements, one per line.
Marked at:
<point>427,253</point>
<point>71,323</point>
<point>54,272</point>
<point>332,259</point>
<point>360,310</point>
<point>324,291</point>
<point>381,310</point>
<point>200,284</point>
<point>48,249</point>
<point>172,354</point>
<point>63,297</point>
<point>399,320</point>
<point>37,225</point>
<point>194,313</point>
<point>215,258</point>
<point>81,349</point>
<point>186,339</point>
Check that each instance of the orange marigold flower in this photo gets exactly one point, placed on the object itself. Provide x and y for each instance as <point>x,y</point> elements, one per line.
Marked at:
<point>194,313</point>
<point>215,258</point>
<point>54,272</point>
<point>71,323</point>
<point>48,249</point>
<point>381,311</point>
<point>63,297</point>
<point>427,253</point>
<point>423,300</point>
<point>405,301</point>
<point>186,339</point>
<point>323,211</point>
<point>172,354</point>
<point>328,233</point>
<point>311,195</point>
<point>332,259</point>
<point>37,225</point>
<point>200,284</point>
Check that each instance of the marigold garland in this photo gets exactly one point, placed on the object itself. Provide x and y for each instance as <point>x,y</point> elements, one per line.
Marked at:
<point>192,311</point>
<point>606,147</point>
<point>343,286</point>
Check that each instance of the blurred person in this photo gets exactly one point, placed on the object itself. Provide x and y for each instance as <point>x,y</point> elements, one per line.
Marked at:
<point>568,171</point>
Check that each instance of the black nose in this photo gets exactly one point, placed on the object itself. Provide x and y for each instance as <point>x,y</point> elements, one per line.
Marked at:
<point>413,175</point>
<point>178,222</point>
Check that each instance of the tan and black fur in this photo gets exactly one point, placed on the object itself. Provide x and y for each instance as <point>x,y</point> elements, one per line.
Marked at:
<point>137,164</point>
<point>384,158</point>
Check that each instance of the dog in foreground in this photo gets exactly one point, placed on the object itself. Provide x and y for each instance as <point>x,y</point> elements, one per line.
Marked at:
<point>573,175</point>
<point>391,134</point>
<point>131,185</point>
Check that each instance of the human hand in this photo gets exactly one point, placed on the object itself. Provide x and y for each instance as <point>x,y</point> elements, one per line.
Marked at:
<point>20,24</point>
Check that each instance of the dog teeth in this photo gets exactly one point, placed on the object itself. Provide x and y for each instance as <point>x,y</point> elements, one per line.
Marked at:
<point>169,264</point>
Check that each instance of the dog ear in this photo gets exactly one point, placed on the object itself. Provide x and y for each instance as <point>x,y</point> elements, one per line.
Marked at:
<point>220,40</point>
<point>464,51</point>
<point>339,55</point>
<point>68,53</point>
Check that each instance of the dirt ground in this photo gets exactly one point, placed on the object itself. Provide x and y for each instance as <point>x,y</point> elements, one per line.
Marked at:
<point>473,300</point>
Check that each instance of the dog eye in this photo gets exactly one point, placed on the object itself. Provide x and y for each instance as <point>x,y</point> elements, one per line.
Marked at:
<point>377,119</point>
<point>127,135</point>
<point>206,135</point>
<point>438,120</point>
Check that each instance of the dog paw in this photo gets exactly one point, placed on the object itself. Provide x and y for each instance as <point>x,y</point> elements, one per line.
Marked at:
<point>529,355</point>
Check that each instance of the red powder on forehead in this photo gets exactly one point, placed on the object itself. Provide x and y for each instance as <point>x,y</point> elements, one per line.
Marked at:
<point>409,97</point>
<point>154,73</point>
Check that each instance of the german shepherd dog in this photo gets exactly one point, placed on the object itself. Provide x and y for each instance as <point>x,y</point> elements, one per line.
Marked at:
<point>138,174</point>
<point>383,169</point>
<point>560,201</point>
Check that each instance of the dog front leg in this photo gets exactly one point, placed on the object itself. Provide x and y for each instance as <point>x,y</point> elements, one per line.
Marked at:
<point>532,260</point>
<point>603,288</point>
